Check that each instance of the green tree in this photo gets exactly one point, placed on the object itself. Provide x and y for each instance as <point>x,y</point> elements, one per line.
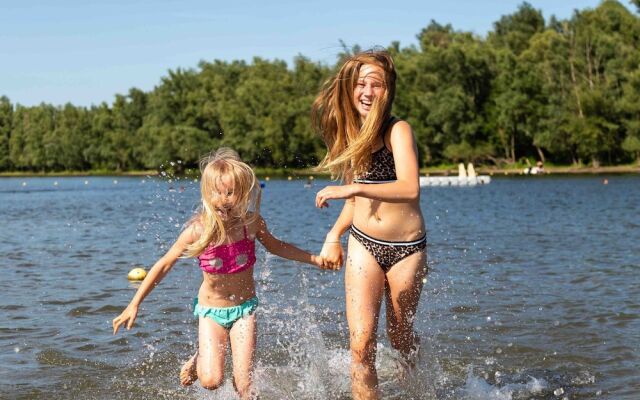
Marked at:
<point>27,147</point>
<point>6,120</point>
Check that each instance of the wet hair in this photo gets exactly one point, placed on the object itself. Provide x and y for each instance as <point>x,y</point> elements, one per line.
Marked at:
<point>214,167</point>
<point>335,117</point>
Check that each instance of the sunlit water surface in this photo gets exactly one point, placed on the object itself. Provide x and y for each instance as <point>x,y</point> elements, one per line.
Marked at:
<point>534,293</point>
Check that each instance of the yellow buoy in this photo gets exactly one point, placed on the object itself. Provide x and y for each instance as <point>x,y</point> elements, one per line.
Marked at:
<point>289,178</point>
<point>137,274</point>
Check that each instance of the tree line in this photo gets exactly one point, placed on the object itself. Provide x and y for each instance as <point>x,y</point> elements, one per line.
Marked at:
<point>564,91</point>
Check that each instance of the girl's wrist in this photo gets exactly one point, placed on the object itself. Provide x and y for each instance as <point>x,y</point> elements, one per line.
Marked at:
<point>354,189</point>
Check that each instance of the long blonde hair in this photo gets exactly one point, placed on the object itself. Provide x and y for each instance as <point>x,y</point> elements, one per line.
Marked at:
<point>213,167</point>
<point>335,118</point>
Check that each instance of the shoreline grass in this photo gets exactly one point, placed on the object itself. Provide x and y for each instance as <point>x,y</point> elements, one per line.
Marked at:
<point>305,173</point>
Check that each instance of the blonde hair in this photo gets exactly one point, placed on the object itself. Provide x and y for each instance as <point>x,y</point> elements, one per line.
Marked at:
<point>213,167</point>
<point>335,118</point>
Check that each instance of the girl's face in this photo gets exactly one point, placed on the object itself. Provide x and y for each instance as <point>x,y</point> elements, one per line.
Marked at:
<point>225,199</point>
<point>369,86</point>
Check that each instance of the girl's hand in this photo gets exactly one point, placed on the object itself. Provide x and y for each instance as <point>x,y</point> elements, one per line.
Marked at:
<point>334,192</point>
<point>318,261</point>
<point>332,254</point>
<point>128,315</point>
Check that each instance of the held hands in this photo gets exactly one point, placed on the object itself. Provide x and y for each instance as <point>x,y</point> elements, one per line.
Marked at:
<point>128,316</point>
<point>322,263</point>
<point>332,254</point>
<point>333,193</point>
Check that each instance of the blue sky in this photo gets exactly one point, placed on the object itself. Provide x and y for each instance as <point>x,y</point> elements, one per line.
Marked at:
<point>85,52</point>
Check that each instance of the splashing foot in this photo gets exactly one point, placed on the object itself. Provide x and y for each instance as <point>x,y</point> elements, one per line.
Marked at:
<point>188,372</point>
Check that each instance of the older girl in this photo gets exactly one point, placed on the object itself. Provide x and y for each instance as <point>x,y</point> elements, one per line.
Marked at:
<point>375,156</point>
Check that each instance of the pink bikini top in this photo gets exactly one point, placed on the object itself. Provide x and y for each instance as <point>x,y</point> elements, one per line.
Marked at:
<point>229,258</point>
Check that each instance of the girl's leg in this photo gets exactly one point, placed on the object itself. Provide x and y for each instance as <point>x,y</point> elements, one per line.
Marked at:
<point>243,350</point>
<point>212,347</point>
<point>403,287</point>
<point>364,286</point>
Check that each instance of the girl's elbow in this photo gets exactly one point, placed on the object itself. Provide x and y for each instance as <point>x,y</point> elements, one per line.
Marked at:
<point>411,192</point>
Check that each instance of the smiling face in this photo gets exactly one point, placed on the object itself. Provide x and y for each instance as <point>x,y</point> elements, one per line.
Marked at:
<point>369,86</point>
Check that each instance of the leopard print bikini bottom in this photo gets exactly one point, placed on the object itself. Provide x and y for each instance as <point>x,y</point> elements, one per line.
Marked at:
<point>386,253</point>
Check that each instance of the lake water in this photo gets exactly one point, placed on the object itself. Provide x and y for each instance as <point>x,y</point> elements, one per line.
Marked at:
<point>534,293</point>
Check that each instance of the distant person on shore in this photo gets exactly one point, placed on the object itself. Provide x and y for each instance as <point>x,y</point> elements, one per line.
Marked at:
<point>375,156</point>
<point>222,236</point>
<point>537,170</point>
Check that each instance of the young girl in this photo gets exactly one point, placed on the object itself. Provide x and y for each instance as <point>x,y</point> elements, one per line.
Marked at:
<point>376,156</point>
<point>222,235</point>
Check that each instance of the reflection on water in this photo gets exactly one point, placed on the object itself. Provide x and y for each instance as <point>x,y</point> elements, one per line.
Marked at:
<point>533,293</point>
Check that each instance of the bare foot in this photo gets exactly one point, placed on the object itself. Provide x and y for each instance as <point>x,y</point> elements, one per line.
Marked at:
<point>188,372</point>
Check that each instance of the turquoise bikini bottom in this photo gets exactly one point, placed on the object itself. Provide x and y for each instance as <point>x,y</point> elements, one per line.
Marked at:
<point>225,316</point>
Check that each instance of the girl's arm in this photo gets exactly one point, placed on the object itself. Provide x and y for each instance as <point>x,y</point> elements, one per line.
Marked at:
<point>332,248</point>
<point>405,188</point>
<point>284,249</point>
<point>153,278</point>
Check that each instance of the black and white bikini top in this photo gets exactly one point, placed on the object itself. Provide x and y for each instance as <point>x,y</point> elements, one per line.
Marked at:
<point>382,168</point>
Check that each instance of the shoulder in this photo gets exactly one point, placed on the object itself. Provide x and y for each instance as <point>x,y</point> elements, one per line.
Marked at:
<point>255,223</point>
<point>400,134</point>
<point>399,126</point>
<point>195,223</point>
<point>190,234</point>
<point>194,228</point>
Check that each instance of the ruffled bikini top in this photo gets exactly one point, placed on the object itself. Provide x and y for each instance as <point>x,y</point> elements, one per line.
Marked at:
<point>229,258</point>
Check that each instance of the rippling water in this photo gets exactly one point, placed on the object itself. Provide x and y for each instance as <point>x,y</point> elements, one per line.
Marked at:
<point>533,293</point>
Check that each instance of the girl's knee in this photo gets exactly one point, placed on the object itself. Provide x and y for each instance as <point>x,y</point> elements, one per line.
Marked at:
<point>363,349</point>
<point>211,381</point>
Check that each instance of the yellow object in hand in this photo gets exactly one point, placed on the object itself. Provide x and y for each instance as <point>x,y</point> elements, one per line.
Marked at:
<point>137,274</point>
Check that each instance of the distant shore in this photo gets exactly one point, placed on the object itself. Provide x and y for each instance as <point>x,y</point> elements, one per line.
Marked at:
<point>552,170</point>
<point>308,172</point>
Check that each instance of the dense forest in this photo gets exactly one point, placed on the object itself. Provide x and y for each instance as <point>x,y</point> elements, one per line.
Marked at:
<point>563,91</point>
